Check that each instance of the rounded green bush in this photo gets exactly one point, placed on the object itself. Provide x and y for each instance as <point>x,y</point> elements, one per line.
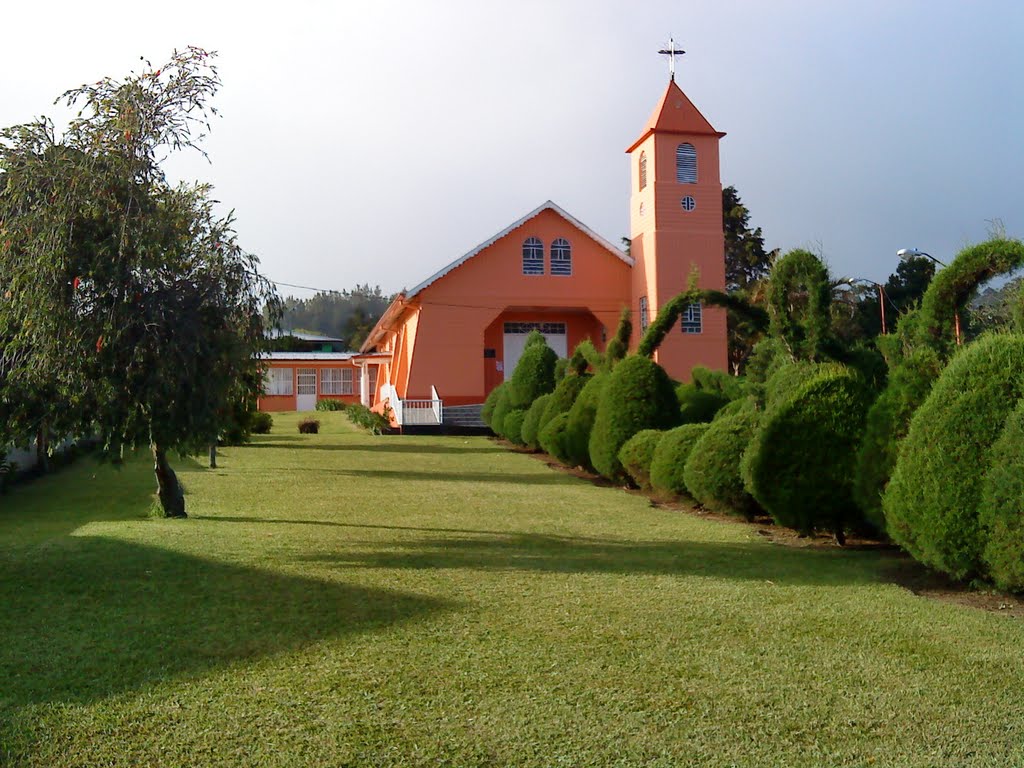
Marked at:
<point>552,437</point>
<point>639,395</point>
<point>887,423</point>
<point>668,464</point>
<point>581,421</point>
<point>534,374</point>
<point>565,394</point>
<point>799,464</point>
<point>698,405</point>
<point>932,502</point>
<point>718,382</point>
<point>490,403</point>
<point>513,426</point>
<point>531,424</point>
<point>261,423</point>
<point>636,454</point>
<point>501,410</point>
<point>1001,513</point>
<point>712,471</point>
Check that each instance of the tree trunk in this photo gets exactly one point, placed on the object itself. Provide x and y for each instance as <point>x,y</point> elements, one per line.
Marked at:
<point>213,455</point>
<point>42,448</point>
<point>168,489</point>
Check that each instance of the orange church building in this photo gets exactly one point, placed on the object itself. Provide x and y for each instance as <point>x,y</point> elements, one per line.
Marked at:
<point>460,332</point>
<point>454,337</point>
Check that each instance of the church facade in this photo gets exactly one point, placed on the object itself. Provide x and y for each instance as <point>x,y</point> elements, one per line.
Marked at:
<point>459,333</point>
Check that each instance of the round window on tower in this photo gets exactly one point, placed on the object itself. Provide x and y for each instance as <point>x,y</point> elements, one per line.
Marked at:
<point>688,203</point>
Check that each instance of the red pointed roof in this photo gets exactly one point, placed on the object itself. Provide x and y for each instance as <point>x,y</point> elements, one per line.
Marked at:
<point>675,113</point>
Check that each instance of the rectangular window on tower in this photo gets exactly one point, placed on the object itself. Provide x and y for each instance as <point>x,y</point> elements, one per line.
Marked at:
<point>692,318</point>
<point>643,314</point>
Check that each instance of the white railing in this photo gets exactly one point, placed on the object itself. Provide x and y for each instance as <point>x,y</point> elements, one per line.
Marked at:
<point>413,412</point>
<point>438,406</point>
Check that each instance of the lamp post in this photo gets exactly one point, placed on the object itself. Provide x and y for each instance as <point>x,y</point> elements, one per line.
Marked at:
<point>913,253</point>
<point>881,295</point>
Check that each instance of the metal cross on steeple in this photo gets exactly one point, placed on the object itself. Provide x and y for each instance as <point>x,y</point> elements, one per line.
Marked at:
<point>671,52</point>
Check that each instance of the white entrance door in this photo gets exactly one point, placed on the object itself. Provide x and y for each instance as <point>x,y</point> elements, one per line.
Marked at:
<point>305,389</point>
<point>515,341</point>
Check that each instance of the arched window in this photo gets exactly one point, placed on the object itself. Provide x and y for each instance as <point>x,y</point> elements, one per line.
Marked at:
<point>686,164</point>
<point>533,256</point>
<point>643,170</point>
<point>561,257</point>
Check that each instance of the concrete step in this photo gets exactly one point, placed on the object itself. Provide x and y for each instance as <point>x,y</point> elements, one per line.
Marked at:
<point>464,416</point>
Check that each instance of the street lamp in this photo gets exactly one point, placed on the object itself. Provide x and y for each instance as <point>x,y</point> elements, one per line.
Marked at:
<point>913,253</point>
<point>881,295</point>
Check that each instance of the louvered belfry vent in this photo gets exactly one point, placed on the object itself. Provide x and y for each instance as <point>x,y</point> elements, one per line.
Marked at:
<point>686,164</point>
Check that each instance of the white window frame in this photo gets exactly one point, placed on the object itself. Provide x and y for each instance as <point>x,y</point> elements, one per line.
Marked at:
<point>304,378</point>
<point>643,170</point>
<point>330,381</point>
<point>346,381</point>
<point>561,257</point>
<point>693,318</point>
<point>279,381</point>
<point>533,256</point>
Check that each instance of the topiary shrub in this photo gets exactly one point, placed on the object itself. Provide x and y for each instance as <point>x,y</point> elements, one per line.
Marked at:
<point>513,426</point>
<point>501,409</point>
<point>718,382</point>
<point>668,464</point>
<point>534,374</point>
<point>639,395</point>
<point>932,502</point>
<point>887,423</point>
<point>490,403</point>
<point>581,421</point>
<point>552,437</point>
<point>261,423</point>
<point>799,464</point>
<point>636,454</point>
<point>309,426</point>
<point>697,405</point>
<point>565,394</point>
<point>531,424</point>
<point>712,471</point>
<point>1001,512</point>
<point>799,297</point>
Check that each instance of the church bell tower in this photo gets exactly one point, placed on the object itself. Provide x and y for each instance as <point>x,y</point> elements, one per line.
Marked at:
<point>676,228</point>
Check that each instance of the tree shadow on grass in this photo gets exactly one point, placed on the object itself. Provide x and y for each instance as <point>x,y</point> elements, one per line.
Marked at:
<point>388,445</point>
<point>442,475</point>
<point>88,617</point>
<point>744,561</point>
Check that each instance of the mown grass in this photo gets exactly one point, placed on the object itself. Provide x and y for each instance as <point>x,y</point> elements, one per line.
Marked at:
<point>345,599</point>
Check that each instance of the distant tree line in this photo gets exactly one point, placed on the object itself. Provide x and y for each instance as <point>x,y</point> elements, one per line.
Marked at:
<point>348,315</point>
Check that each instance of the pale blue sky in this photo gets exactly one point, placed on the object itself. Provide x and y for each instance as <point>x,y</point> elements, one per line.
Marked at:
<point>375,142</point>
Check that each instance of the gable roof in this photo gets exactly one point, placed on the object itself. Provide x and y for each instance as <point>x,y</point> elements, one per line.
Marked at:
<point>675,113</point>
<point>547,206</point>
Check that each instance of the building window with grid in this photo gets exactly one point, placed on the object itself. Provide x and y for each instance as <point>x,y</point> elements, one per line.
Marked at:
<point>533,256</point>
<point>561,257</point>
<point>686,164</point>
<point>306,381</point>
<point>330,381</point>
<point>692,318</point>
<point>278,381</point>
<point>643,314</point>
<point>346,381</point>
<point>643,170</point>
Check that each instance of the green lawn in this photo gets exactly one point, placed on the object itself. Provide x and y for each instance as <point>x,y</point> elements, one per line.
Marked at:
<point>344,599</point>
